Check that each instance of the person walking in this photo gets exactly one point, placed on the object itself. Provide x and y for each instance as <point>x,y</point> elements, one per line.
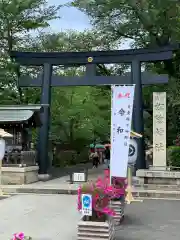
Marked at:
<point>107,155</point>
<point>94,157</point>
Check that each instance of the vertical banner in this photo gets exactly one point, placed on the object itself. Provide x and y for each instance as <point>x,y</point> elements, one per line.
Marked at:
<point>121,116</point>
<point>159,130</point>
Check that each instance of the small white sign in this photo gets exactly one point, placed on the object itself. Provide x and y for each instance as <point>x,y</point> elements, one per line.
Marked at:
<point>86,204</point>
<point>78,177</point>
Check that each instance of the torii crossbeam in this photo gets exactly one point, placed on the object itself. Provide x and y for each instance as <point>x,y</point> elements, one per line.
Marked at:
<point>59,81</point>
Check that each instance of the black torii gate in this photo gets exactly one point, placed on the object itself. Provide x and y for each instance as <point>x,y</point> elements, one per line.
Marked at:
<point>91,59</point>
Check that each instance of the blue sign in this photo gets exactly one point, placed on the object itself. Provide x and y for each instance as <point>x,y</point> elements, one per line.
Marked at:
<point>86,201</point>
<point>86,204</point>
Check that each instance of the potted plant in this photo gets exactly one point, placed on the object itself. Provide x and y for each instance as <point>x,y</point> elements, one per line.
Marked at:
<point>117,202</point>
<point>100,224</point>
<point>20,236</point>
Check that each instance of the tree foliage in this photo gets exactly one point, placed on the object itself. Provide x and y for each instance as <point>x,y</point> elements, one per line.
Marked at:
<point>146,23</point>
<point>82,114</point>
<point>79,114</point>
<point>17,19</point>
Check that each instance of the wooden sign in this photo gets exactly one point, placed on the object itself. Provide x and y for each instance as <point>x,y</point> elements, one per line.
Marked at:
<point>159,130</point>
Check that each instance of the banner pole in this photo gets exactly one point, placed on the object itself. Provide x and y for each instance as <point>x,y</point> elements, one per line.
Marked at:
<point>129,196</point>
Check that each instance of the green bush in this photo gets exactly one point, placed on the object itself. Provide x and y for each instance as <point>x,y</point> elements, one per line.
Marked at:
<point>65,158</point>
<point>83,156</point>
<point>173,156</point>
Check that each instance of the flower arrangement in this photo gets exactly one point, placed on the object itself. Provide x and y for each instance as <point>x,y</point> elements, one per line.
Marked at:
<point>118,183</point>
<point>100,201</point>
<point>102,193</point>
<point>20,236</point>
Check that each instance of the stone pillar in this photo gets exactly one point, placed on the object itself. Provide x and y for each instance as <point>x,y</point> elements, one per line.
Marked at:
<point>159,130</point>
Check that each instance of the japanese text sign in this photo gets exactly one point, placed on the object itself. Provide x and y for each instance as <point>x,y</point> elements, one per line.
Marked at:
<point>86,204</point>
<point>121,117</point>
<point>159,130</point>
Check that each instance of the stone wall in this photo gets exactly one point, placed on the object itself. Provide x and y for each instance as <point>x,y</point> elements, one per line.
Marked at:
<point>19,175</point>
<point>158,177</point>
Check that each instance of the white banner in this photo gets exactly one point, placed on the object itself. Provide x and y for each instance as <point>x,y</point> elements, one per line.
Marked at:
<point>121,117</point>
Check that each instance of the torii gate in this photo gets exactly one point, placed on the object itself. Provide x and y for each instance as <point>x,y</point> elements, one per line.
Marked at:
<point>90,59</point>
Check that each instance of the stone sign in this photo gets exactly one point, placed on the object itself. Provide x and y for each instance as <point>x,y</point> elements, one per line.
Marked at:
<point>159,130</point>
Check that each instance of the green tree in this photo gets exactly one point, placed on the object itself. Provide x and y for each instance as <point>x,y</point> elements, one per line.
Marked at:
<point>145,23</point>
<point>79,114</point>
<point>70,40</point>
<point>19,18</point>
<point>78,117</point>
<point>149,22</point>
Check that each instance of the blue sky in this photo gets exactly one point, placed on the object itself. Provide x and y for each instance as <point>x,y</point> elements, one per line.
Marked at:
<point>71,18</point>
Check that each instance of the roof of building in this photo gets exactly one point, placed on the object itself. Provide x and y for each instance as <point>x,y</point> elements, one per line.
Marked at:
<point>20,114</point>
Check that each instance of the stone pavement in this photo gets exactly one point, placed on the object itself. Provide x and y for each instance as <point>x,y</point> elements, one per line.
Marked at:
<point>54,217</point>
<point>49,217</point>
<point>58,186</point>
<point>151,220</point>
<point>61,186</point>
<point>93,173</point>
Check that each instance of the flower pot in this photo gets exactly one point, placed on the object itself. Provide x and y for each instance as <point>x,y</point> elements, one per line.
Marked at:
<point>118,207</point>
<point>90,230</point>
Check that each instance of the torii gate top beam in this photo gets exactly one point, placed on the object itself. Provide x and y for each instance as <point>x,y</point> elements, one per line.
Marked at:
<point>81,58</point>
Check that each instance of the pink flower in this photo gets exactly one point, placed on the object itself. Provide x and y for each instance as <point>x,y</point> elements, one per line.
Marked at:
<point>79,199</point>
<point>100,183</point>
<point>99,214</point>
<point>108,211</point>
<point>102,192</point>
<point>106,172</point>
<point>18,236</point>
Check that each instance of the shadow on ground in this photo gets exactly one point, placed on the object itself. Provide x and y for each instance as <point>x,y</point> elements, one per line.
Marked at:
<point>151,220</point>
<point>57,172</point>
<point>4,197</point>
